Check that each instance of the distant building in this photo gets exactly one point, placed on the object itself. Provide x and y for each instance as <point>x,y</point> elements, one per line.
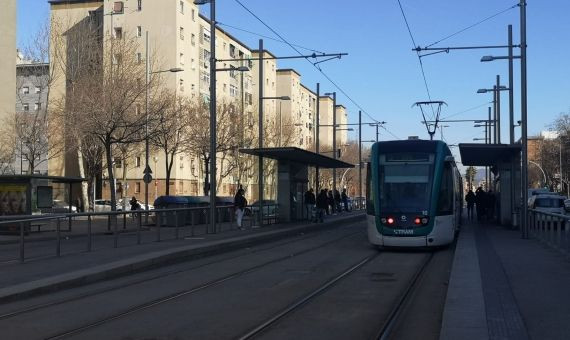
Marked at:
<point>7,57</point>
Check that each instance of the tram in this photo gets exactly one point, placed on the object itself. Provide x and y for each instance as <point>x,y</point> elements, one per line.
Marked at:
<point>414,194</point>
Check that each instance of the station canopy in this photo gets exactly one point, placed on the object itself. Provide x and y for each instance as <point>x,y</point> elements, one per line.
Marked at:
<point>293,154</point>
<point>477,154</point>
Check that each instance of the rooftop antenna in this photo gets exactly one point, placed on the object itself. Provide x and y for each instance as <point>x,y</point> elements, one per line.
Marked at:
<point>431,131</point>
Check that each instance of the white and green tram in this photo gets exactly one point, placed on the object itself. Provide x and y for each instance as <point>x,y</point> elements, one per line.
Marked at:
<point>414,194</point>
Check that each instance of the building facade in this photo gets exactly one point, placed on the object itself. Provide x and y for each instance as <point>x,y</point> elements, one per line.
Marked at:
<point>179,37</point>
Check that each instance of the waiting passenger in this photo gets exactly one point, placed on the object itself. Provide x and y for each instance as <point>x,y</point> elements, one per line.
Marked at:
<point>470,199</point>
<point>322,205</point>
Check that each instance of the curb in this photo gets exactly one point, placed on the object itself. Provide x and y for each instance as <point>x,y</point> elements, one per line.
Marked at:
<point>156,259</point>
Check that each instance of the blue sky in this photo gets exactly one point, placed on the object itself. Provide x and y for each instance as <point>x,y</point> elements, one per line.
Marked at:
<point>382,74</point>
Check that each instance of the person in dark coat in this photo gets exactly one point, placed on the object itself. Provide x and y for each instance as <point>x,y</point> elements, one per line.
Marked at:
<point>322,205</point>
<point>310,201</point>
<point>240,202</point>
<point>480,203</point>
<point>344,198</point>
<point>470,199</point>
<point>330,200</point>
<point>337,201</point>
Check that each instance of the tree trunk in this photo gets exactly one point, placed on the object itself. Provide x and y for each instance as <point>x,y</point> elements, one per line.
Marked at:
<point>109,155</point>
<point>207,176</point>
<point>84,185</point>
<point>168,165</point>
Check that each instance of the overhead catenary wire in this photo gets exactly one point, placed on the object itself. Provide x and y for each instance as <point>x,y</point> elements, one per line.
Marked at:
<point>419,57</point>
<point>472,25</point>
<point>267,37</point>
<point>467,110</point>
<point>340,89</point>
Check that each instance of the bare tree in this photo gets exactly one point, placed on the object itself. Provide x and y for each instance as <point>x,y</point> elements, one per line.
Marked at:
<point>170,133</point>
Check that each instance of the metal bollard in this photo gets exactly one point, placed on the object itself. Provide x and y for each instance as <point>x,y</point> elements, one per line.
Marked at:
<point>158,227</point>
<point>89,234</point>
<point>22,242</point>
<point>58,237</point>
<point>116,233</point>
<point>139,229</point>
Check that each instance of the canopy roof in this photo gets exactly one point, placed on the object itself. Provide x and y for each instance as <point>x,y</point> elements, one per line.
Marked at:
<point>477,154</point>
<point>298,155</point>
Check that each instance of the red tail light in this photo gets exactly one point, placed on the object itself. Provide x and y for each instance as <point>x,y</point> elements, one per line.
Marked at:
<point>417,220</point>
<point>390,220</point>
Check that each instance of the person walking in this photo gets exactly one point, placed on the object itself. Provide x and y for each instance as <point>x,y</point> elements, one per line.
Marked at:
<point>480,201</point>
<point>337,201</point>
<point>344,198</point>
<point>310,201</point>
<point>240,202</point>
<point>470,199</point>
<point>330,202</point>
<point>322,205</point>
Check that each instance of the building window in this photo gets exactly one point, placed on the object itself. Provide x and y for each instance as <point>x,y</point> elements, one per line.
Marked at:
<point>193,63</point>
<point>193,15</point>
<point>139,57</point>
<point>182,6</point>
<point>118,7</point>
<point>139,31</point>
<point>138,161</point>
<point>181,162</point>
<point>117,58</point>
<point>138,109</point>
<point>193,39</point>
<point>181,33</point>
<point>25,90</point>
<point>38,89</point>
<point>181,85</point>
<point>119,33</point>
<point>181,58</point>
<point>118,163</point>
<point>225,87</point>
<point>137,187</point>
<point>233,91</point>
<point>206,35</point>
<point>139,5</point>
<point>37,106</point>
<point>26,107</point>
<point>232,51</point>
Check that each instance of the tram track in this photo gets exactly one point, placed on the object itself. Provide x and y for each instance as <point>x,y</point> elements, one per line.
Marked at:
<point>397,310</point>
<point>307,298</point>
<point>170,297</point>
<point>158,276</point>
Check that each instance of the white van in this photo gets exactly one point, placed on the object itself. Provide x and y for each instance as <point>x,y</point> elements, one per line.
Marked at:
<point>550,203</point>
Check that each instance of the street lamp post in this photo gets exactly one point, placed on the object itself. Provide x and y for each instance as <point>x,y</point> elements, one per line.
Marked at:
<point>317,137</point>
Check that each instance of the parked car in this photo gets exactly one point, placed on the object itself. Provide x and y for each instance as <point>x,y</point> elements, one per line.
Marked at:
<point>550,203</point>
<point>269,208</point>
<point>567,205</point>
<point>102,205</point>
<point>59,207</point>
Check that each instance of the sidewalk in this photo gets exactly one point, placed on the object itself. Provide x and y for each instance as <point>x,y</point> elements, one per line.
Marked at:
<point>504,287</point>
<point>49,274</point>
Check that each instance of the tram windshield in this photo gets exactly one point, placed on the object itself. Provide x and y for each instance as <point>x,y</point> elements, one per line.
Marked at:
<point>405,187</point>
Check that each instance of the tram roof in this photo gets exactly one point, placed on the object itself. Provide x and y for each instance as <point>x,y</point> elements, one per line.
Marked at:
<point>476,154</point>
<point>298,155</point>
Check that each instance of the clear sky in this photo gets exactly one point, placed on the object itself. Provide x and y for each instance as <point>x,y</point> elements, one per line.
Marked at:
<point>382,74</point>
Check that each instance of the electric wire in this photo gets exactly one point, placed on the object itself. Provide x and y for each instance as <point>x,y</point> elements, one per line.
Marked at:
<point>419,58</point>
<point>267,37</point>
<point>473,25</point>
<point>335,84</point>
<point>467,110</point>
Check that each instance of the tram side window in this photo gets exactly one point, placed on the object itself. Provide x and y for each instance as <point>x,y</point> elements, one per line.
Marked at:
<point>369,191</point>
<point>445,197</point>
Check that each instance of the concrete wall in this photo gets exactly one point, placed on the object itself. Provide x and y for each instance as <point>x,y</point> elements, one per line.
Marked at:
<point>7,58</point>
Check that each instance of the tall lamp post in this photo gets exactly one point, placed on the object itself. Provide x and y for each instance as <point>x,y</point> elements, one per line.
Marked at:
<point>147,178</point>
<point>334,136</point>
<point>496,90</point>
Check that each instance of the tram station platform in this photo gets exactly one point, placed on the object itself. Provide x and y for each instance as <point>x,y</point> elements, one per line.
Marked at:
<point>504,287</point>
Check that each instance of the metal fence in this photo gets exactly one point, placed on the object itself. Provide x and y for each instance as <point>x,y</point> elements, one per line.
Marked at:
<point>167,224</point>
<point>552,229</point>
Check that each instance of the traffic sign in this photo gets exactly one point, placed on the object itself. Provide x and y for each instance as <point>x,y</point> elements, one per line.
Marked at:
<point>147,178</point>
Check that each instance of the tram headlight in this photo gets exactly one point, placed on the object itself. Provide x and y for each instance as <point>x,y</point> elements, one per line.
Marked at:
<point>383,220</point>
<point>425,220</point>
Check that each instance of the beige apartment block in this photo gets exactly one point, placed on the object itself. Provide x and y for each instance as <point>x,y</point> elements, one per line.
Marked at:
<point>296,115</point>
<point>8,58</point>
<point>326,122</point>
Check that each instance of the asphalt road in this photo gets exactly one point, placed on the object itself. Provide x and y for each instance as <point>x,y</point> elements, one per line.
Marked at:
<point>227,296</point>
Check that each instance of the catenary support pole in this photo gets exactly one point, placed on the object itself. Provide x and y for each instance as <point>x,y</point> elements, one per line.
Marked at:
<point>511,89</point>
<point>360,159</point>
<point>317,136</point>
<point>524,172</point>
<point>213,118</point>
<point>334,141</point>
<point>260,125</point>
<point>498,109</point>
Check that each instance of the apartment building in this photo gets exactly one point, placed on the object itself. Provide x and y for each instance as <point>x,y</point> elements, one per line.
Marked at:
<point>7,59</point>
<point>326,123</point>
<point>31,99</point>
<point>296,115</point>
<point>179,37</point>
